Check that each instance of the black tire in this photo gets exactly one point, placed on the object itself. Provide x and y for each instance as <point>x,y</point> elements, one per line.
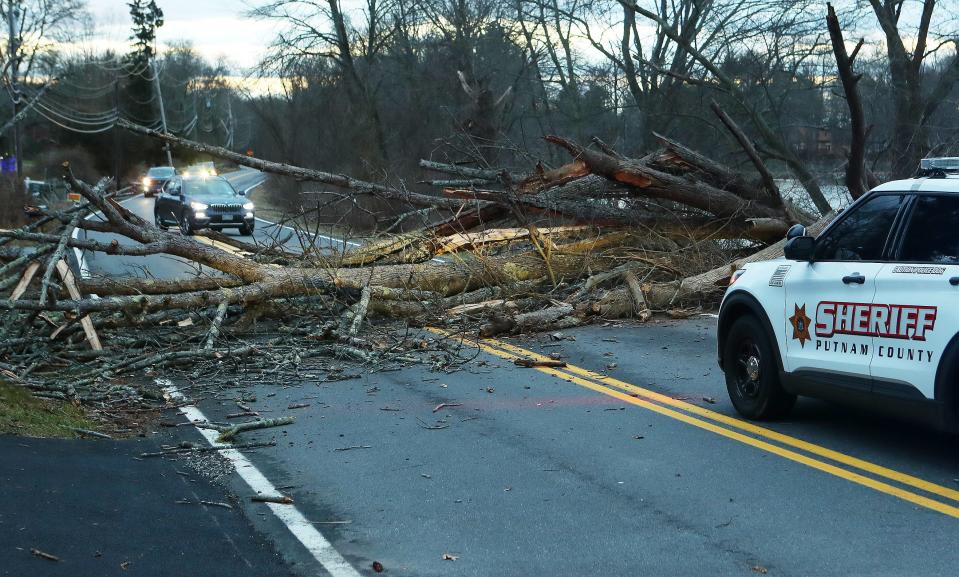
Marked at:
<point>752,373</point>
<point>247,230</point>
<point>947,386</point>
<point>186,227</point>
<point>159,223</point>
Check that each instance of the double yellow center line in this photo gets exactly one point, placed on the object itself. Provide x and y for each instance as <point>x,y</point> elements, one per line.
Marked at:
<point>738,430</point>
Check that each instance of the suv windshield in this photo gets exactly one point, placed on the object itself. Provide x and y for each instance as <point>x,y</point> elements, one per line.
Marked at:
<point>160,172</point>
<point>209,187</point>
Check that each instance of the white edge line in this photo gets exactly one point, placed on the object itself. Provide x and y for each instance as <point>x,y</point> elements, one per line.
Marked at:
<point>304,531</point>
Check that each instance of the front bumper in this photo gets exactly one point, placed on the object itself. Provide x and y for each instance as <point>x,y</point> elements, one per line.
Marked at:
<point>223,220</point>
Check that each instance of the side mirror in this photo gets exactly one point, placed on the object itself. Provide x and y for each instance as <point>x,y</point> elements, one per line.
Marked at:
<point>241,192</point>
<point>800,248</point>
<point>795,231</point>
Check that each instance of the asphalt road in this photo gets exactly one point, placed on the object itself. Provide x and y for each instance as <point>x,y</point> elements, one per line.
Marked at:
<point>99,512</point>
<point>530,473</point>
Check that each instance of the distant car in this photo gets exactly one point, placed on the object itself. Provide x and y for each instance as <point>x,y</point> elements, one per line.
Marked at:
<point>873,296</point>
<point>156,178</point>
<point>195,202</point>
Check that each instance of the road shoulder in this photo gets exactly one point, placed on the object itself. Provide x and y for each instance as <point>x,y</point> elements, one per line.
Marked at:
<point>100,511</point>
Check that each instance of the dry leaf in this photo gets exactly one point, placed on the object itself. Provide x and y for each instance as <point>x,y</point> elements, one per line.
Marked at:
<point>448,557</point>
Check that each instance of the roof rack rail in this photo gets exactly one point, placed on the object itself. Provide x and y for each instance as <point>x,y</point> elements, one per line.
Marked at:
<point>938,167</point>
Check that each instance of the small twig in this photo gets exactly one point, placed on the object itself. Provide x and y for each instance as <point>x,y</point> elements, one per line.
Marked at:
<point>208,503</point>
<point>207,449</point>
<point>217,504</point>
<point>281,499</point>
<point>445,405</point>
<point>90,433</point>
<point>44,555</point>
<point>353,447</point>
<point>435,427</point>
<point>233,431</point>
<point>530,363</point>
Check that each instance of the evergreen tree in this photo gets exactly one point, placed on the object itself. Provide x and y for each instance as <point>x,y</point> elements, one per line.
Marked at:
<point>147,17</point>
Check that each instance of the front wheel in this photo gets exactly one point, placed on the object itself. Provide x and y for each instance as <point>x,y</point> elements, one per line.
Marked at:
<point>158,221</point>
<point>185,226</point>
<point>246,229</point>
<point>752,376</point>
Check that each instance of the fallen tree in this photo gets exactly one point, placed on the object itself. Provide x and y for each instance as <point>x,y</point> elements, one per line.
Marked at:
<point>633,237</point>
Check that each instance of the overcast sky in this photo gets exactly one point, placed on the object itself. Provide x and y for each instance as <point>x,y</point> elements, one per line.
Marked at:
<point>216,28</point>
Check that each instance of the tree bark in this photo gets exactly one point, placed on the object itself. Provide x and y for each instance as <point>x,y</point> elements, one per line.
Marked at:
<point>299,173</point>
<point>855,168</point>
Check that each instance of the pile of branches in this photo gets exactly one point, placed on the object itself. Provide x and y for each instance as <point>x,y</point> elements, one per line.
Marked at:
<point>630,238</point>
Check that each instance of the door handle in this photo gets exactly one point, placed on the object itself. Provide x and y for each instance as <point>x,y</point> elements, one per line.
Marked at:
<point>854,278</point>
<point>954,281</point>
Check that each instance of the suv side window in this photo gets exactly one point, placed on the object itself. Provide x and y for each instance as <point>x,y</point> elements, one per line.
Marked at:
<point>862,233</point>
<point>933,231</point>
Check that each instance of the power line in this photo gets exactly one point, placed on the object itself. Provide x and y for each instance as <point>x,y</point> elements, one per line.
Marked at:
<point>73,129</point>
<point>106,119</point>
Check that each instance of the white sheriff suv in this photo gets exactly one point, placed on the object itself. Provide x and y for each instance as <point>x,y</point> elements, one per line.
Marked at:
<point>867,312</point>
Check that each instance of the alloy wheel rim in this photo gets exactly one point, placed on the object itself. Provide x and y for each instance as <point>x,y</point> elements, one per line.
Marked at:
<point>749,369</point>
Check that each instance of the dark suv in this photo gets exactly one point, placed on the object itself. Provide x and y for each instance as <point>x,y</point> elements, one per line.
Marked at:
<point>156,178</point>
<point>193,202</point>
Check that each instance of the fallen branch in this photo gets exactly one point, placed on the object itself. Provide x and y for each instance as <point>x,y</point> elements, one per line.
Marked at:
<point>180,450</point>
<point>281,499</point>
<point>531,363</point>
<point>228,433</point>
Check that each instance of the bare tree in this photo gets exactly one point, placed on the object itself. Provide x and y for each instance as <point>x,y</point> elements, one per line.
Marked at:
<point>855,168</point>
<point>319,29</point>
<point>914,102</point>
<point>788,33</point>
<point>38,27</point>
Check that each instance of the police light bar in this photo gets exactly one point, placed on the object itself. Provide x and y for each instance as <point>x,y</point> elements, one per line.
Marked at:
<point>949,163</point>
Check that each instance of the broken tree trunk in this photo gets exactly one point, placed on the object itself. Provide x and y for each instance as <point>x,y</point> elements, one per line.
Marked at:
<point>299,173</point>
<point>659,184</point>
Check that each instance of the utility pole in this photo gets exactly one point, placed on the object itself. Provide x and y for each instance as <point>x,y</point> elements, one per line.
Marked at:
<point>14,57</point>
<point>156,84</point>
<point>116,131</point>
<point>231,123</point>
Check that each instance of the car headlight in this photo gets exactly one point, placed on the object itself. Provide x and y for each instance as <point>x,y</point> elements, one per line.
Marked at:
<point>248,206</point>
<point>198,206</point>
<point>147,182</point>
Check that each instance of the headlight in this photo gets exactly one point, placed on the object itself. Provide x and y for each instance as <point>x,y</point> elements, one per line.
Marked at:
<point>198,206</point>
<point>248,206</point>
<point>147,182</point>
